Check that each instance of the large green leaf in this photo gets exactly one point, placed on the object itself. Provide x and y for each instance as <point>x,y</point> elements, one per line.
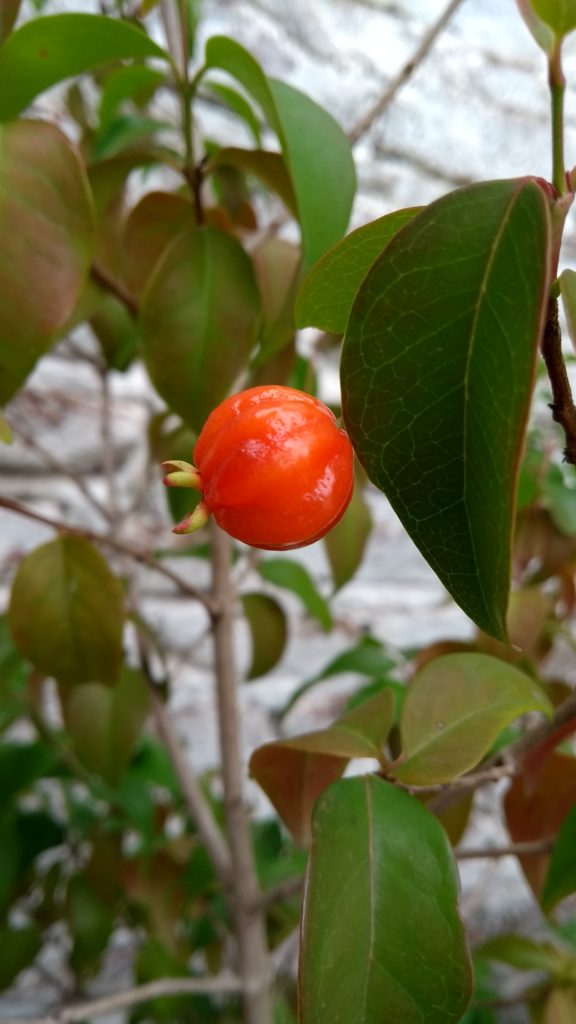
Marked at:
<point>560,879</point>
<point>315,149</point>
<point>454,710</point>
<point>328,290</point>
<point>19,948</point>
<point>152,225</point>
<point>559,14</point>
<point>437,375</point>
<point>47,237</point>
<point>66,612</point>
<point>47,50</point>
<point>199,318</point>
<point>105,722</point>
<point>382,939</point>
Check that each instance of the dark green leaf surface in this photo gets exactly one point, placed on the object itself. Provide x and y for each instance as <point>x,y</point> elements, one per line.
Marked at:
<point>21,764</point>
<point>382,940</point>
<point>291,575</point>
<point>47,50</point>
<point>150,228</point>
<point>238,104</point>
<point>268,630</point>
<point>560,879</point>
<point>454,710</point>
<point>437,374</point>
<point>328,290</point>
<point>66,612</point>
<point>315,149</point>
<point>559,14</point>
<point>47,239</point>
<point>199,318</point>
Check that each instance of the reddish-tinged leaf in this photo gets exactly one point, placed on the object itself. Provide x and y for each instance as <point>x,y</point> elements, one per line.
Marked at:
<point>270,168</point>
<point>293,772</point>
<point>8,13</point>
<point>292,780</point>
<point>536,805</point>
<point>151,226</point>
<point>346,543</point>
<point>381,937</point>
<point>47,239</point>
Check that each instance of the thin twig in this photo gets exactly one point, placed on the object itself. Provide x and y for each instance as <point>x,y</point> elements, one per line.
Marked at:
<point>250,929</point>
<point>139,555</point>
<point>530,848</point>
<point>223,984</point>
<point>110,284</point>
<point>563,410</point>
<point>406,72</point>
<point>58,467</point>
<point>196,802</point>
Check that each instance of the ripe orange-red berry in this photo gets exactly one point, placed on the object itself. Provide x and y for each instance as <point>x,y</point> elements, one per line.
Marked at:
<point>274,468</point>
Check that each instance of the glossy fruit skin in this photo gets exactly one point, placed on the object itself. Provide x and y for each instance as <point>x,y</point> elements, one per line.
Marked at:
<point>276,470</point>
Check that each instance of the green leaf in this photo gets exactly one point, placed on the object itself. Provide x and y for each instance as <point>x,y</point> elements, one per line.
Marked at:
<point>437,374</point>
<point>269,168</point>
<point>136,83</point>
<point>346,543</point>
<point>48,234</point>
<point>316,151</point>
<point>13,677</point>
<point>328,290</point>
<point>381,931</point>
<point>361,732</point>
<point>560,879</point>
<point>19,948</point>
<point>21,764</point>
<point>152,225</point>
<point>268,630</point>
<point>90,921</point>
<point>560,491</point>
<point>8,13</point>
<point>45,51</point>
<point>239,105</point>
<point>568,293</point>
<point>5,431</point>
<point>277,268</point>
<point>66,612</point>
<point>453,711</point>
<point>116,331</point>
<point>124,132</point>
<point>528,955</point>
<point>284,572</point>
<point>367,658</point>
<point>559,14</point>
<point>105,722</point>
<point>199,316</point>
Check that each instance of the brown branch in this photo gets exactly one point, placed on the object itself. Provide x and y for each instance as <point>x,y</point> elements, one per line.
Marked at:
<point>222,984</point>
<point>196,802</point>
<point>250,928</point>
<point>100,275</point>
<point>137,554</point>
<point>563,410</point>
<point>406,72</point>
